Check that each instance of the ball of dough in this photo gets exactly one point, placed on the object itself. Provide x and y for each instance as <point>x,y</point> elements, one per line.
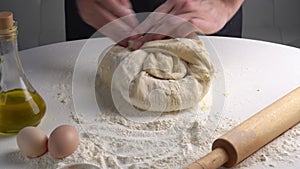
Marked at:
<point>164,75</point>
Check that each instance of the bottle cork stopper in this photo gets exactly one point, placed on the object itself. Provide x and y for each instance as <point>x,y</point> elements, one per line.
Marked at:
<point>6,20</point>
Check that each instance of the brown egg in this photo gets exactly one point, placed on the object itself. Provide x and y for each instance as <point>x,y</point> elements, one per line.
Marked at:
<point>32,142</point>
<point>63,141</point>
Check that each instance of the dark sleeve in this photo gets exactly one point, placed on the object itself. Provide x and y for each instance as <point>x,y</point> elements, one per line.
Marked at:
<point>78,29</point>
<point>75,27</point>
<point>145,5</point>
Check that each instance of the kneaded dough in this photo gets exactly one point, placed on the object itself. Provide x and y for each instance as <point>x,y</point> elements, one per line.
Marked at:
<point>164,75</point>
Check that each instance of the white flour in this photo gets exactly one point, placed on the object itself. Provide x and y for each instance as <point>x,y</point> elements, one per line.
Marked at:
<point>62,96</point>
<point>172,141</point>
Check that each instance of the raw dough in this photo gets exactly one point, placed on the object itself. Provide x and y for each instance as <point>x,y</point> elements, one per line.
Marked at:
<point>164,75</point>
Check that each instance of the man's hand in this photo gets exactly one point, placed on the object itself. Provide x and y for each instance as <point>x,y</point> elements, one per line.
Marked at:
<point>118,13</point>
<point>204,16</point>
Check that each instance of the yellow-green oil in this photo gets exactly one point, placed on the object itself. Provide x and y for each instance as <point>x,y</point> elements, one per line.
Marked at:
<point>18,109</point>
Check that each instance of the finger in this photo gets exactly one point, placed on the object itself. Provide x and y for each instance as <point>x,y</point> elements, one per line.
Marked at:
<point>152,36</point>
<point>173,26</point>
<point>123,43</point>
<point>166,27</point>
<point>131,20</point>
<point>107,23</point>
<point>115,7</point>
<point>163,29</point>
<point>127,42</point>
<point>86,8</point>
<point>126,3</point>
<point>137,44</point>
<point>151,21</point>
<point>157,16</point>
<point>177,5</point>
<point>116,29</point>
<point>156,32</point>
<point>94,20</point>
<point>118,9</point>
<point>176,28</point>
<point>165,7</point>
<point>193,36</point>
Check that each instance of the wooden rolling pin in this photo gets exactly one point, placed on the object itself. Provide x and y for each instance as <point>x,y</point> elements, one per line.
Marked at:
<point>252,134</point>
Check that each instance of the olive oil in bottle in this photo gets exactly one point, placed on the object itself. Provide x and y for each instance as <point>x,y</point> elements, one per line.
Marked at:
<point>20,104</point>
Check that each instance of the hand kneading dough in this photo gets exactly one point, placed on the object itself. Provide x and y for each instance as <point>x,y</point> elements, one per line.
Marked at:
<point>164,75</point>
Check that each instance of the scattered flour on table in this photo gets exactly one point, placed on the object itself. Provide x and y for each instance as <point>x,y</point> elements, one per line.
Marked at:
<point>171,141</point>
<point>132,149</point>
<point>63,95</point>
<point>156,151</point>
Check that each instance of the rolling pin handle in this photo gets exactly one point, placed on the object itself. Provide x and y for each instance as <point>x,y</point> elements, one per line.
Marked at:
<point>213,160</point>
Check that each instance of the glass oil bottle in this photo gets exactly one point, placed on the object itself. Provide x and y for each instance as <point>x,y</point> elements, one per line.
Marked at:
<point>20,104</point>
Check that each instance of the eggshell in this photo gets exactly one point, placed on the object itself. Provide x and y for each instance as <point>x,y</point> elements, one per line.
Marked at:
<point>63,141</point>
<point>32,142</point>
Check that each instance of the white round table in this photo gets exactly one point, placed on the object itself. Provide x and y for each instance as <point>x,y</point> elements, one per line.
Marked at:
<point>256,74</point>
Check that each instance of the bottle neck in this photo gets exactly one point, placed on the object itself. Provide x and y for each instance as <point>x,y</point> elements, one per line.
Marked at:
<point>9,34</point>
<point>8,41</point>
<point>11,72</point>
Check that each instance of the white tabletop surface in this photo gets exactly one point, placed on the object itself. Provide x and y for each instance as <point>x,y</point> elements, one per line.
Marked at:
<point>256,74</point>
